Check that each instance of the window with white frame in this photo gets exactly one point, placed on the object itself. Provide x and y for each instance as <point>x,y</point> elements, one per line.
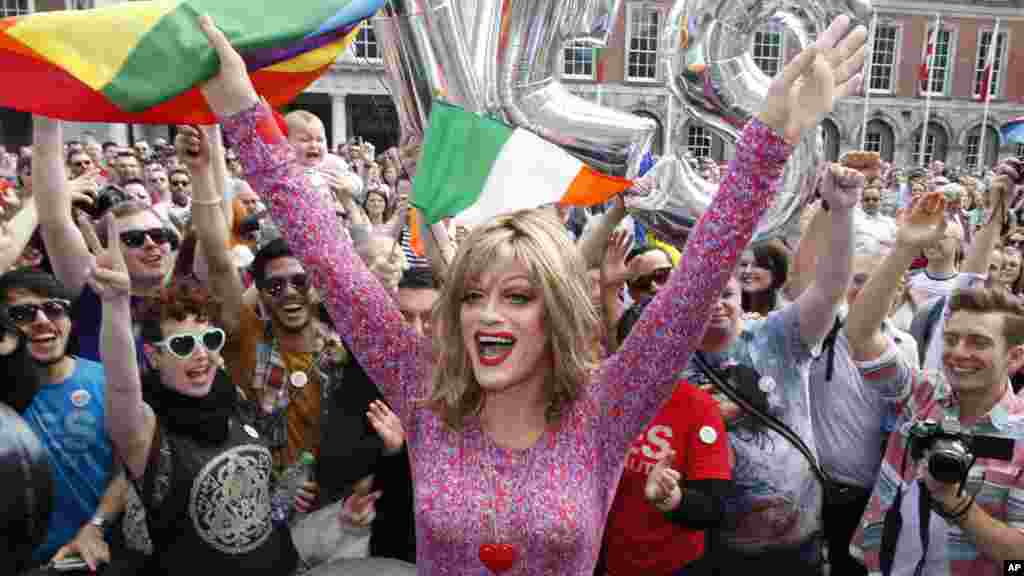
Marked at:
<point>767,51</point>
<point>578,61</point>
<point>997,63</point>
<point>883,58</point>
<point>873,142</point>
<point>698,141</point>
<point>644,27</point>
<point>929,150</point>
<point>973,148</point>
<point>938,71</point>
<point>14,7</point>
<point>365,46</point>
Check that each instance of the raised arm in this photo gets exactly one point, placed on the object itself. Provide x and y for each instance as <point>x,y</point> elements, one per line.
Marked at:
<point>635,382</point>
<point>196,150</point>
<point>924,224</point>
<point>984,241</point>
<point>394,357</point>
<point>16,233</point>
<point>131,422</point>
<point>807,252</point>
<point>817,306</point>
<point>595,238</point>
<point>65,246</point>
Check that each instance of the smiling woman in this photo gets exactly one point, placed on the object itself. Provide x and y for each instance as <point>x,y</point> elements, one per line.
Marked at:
<point>510,268</point>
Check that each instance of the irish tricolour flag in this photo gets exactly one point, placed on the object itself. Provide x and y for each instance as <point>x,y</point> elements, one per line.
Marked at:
<point>474,168</point>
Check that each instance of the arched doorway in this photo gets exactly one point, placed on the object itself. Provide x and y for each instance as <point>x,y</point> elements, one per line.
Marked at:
<point>830,133</point>
<point>936,145</point>
<point>973,148</point>
<point>880,138</point>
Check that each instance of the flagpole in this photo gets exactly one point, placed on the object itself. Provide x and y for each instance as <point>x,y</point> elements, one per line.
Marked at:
<point>990,64</point>
<point>867,84</point>
<point>928,87</point>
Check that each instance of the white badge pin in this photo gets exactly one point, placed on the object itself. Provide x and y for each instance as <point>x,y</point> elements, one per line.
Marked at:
<point>250,431</point>
<point>766,384</point>
<point>708,435</point>
<point>79,398</point>
<point>298,379</point>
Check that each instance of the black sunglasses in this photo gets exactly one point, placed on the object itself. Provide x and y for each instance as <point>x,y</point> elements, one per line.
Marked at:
<point>275,287</point>
<point>24,314</point>
<point>180,183</point>
<point>136,238</point>
<point>659,277</point>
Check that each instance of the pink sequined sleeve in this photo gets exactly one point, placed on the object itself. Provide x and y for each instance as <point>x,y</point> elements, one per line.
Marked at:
<point>631,386</point>
<point>365,316</point>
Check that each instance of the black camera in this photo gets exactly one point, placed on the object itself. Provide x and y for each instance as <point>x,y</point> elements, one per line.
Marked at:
<point>951,450</point>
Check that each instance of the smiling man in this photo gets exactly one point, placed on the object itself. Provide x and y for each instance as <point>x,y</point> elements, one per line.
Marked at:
<point>67,414</point>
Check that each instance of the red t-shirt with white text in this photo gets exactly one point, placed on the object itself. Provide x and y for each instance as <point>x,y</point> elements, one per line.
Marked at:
<point>638,537</point>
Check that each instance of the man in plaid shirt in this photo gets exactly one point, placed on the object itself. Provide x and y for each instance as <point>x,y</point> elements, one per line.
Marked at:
<point>973,531</point>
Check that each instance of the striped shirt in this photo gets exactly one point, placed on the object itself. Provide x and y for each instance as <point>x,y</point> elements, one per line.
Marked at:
<point>998,485</point>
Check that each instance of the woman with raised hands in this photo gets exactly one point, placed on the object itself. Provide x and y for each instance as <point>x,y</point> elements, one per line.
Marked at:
<point>517,442</point>
<point>203,475</point>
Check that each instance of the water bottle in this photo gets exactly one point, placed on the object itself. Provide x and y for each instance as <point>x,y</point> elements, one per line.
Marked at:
<point>306,473</point>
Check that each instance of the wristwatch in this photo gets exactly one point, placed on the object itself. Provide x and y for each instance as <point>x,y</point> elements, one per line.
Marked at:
<point>100,522</point>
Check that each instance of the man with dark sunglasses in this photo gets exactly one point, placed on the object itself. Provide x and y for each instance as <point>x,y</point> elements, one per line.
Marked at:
<point>66,410</point>
<point>650,267</point>
<point>148,244</point>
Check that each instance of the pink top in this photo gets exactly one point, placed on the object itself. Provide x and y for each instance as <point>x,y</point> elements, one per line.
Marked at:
<point>552,498</point>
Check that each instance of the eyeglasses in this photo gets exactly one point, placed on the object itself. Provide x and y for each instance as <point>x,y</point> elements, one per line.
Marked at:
<point>180,183</point>
<point>659,277</point>
<point>24,314</point>
<point>183,345</point>
<point>232,159</point>
<point>82,164</point>
<point>275,287</point>
<point>136,238</point>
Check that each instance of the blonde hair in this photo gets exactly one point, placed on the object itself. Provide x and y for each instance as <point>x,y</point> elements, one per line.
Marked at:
<point>301,119</point>
<point>540,243</point>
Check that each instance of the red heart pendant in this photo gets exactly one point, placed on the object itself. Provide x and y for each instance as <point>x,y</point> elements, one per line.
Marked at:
<point>498,557</point>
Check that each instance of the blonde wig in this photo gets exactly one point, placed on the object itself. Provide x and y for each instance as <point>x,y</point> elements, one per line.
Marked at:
<point>540,243</point>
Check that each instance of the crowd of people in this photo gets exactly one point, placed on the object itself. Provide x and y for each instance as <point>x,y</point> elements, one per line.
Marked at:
<point>241,353</point>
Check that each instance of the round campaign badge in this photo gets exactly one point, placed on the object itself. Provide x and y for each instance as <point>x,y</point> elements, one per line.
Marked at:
<point>708,435</point>
<point>251,431</point>
<point>298,379</point>
<point>79,398</point>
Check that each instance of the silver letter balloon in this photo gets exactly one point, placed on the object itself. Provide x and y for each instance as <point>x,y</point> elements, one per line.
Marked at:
<point>708,63</point>
<point>501,58</point>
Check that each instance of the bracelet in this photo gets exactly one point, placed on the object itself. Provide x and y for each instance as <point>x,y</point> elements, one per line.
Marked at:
<point>216,202</point>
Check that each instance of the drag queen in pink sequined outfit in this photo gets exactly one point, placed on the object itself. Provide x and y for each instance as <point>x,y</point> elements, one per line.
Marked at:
<point>525,449</point>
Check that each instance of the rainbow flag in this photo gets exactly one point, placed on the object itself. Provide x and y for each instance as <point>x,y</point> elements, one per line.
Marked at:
<point>142,62</point>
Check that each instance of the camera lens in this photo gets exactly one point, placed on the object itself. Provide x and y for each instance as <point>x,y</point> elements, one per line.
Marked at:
<point>947,466</point>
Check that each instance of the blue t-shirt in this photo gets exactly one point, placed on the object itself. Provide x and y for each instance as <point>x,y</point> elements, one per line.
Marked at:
<point>69,419</point>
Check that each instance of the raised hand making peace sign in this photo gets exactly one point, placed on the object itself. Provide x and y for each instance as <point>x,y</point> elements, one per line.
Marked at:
<point>109,277</point>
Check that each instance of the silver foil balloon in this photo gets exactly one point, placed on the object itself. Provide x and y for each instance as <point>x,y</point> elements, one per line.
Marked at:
<point>533,35</point>
<point>411,68</point>
<point>710,70</point>
<point>506,66</point>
